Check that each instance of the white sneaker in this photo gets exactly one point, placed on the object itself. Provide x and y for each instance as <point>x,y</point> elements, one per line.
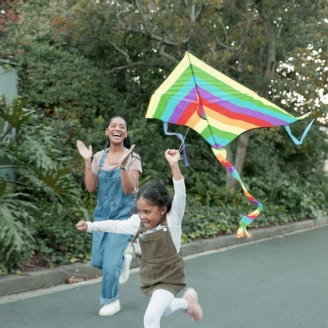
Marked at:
<point>125,272</point>
<point>110,309</point>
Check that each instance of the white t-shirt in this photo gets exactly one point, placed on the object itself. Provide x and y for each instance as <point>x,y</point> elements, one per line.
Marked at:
<point>131,225</point>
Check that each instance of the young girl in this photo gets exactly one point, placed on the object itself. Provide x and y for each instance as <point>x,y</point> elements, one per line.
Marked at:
<point>157,226</point>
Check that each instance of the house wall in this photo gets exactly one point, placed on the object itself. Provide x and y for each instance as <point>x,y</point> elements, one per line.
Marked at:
<point>8,83</point>
<point>8,88</point>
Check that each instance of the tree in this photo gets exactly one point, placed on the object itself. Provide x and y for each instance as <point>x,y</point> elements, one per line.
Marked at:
<point>81,62</point>
<point>136,44</point>
<point>8,14</point>
<point>43,189</point>
<point>301,82</point>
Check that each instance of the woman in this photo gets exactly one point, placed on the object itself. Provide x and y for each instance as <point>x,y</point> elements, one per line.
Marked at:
<point>114,172</point>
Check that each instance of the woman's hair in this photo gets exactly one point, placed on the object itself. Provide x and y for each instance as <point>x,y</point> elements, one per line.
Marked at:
<point>156,194</point>
<point>126,142</point>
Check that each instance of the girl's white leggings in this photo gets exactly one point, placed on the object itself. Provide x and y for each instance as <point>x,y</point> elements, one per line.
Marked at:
<point>162,303</point>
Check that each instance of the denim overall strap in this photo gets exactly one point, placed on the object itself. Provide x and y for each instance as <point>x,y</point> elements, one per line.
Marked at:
<point>102,159</point>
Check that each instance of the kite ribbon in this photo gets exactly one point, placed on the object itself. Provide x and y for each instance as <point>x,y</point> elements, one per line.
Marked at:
<point>181,138</point>
<point>296,141</point>
<point>221,155</point>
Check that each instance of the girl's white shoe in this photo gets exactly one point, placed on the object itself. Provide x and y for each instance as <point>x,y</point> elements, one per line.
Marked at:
<point>194,310</point>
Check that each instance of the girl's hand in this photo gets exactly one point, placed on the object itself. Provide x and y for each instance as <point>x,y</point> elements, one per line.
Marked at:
<point>125,155</point>
<point>82,225</point>
<point>85,152</point>
<point>172,156</point>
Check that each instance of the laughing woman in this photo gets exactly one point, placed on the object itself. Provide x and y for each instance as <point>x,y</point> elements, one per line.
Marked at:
<point>114,173</point>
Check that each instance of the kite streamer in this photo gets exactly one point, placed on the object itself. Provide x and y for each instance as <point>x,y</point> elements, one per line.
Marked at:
<point>221,155</point>
<point>219,109</point>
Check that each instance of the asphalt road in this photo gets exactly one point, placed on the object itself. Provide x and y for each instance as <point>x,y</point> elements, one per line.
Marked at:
<point>279,282</point>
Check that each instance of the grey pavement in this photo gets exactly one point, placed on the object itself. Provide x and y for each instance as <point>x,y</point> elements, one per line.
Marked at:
<point>13,284</point>
<point>278,278</point>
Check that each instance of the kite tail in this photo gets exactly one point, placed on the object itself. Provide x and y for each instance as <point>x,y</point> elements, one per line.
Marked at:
<point>296,141</point>
<point>221,155</point>
<point>181,138</point>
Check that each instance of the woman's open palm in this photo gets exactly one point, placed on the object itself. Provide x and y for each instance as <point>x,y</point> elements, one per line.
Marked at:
<point>85,152</point>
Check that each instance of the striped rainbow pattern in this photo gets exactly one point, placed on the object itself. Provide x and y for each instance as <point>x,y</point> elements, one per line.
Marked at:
<point>217,107</point>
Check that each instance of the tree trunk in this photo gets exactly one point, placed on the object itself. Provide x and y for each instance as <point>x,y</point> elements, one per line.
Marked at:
<point>242,143</point>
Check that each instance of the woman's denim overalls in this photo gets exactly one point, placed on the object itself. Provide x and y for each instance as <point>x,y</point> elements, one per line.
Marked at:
<point>108,248</point>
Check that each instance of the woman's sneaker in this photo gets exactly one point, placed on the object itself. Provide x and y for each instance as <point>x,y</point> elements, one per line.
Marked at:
<point>193,308</point>
<point>125,272</point>
<point>110,309</point>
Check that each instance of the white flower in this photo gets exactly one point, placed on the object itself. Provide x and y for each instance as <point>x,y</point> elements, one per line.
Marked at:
<point>136,79</point>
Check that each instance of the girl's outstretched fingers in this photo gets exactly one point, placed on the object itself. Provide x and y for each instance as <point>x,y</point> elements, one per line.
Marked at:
<point>81,225</point>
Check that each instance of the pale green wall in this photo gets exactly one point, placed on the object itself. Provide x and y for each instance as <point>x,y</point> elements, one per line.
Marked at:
<point>8,87</point>
<point>8,83</point>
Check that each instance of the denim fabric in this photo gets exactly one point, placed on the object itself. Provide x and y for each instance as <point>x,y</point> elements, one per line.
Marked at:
<point>108,248</point>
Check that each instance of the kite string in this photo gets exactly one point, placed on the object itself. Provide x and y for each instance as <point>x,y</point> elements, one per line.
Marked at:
<point>183,148</point>
<point>183,145</point>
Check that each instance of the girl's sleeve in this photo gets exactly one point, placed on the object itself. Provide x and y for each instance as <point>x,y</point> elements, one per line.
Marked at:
<point>179,201</point>
<point>127,227</point>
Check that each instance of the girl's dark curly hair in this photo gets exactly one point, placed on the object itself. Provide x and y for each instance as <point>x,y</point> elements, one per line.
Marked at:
<point>156,194</point>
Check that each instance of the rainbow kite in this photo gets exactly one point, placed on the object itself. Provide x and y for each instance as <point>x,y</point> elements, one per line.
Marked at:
<point>219,109</point>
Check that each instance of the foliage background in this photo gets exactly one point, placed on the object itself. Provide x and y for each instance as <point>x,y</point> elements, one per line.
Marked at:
<point>81,63</point>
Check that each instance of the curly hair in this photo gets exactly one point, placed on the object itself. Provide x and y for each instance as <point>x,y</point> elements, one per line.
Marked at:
<point>156,194</point>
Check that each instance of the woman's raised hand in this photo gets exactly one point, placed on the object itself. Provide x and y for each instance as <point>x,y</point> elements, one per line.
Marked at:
<point>125,155</point>
<point>85,152</point>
